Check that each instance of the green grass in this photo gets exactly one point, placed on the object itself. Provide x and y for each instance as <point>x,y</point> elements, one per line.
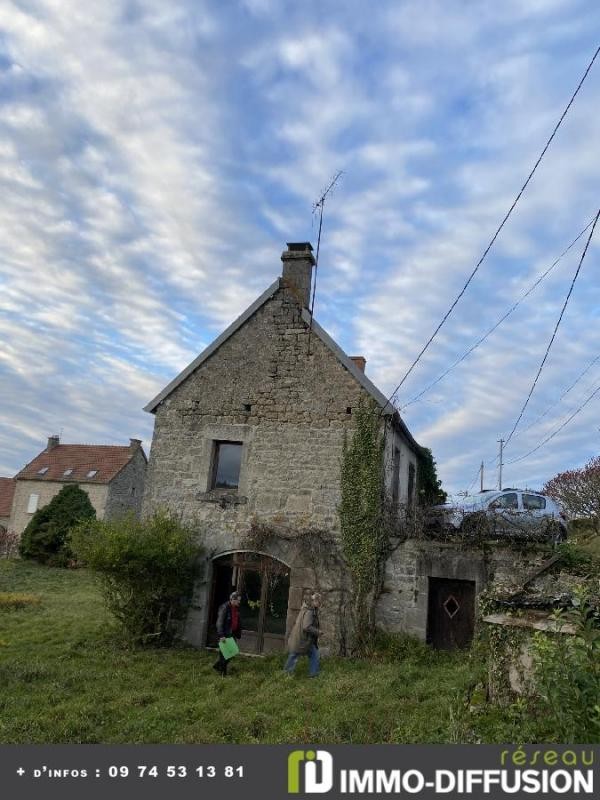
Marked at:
<point>67,676</point>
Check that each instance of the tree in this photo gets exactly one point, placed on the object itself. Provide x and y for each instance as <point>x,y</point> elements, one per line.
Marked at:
<point>578,491</point>
<point>430,490</point>
<point>46,537</point>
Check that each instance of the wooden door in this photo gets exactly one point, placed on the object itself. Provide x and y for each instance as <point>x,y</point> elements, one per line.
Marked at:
<point>451,613</point>
<point>264,584</point>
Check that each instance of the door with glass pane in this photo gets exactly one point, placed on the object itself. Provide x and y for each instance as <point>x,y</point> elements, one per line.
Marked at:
<point>264,584</point>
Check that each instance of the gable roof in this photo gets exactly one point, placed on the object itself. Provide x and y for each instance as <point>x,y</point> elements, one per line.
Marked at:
<point>7,491</point>
<point>107,460</point>
<point>235,325</point>
<point>387,408</point>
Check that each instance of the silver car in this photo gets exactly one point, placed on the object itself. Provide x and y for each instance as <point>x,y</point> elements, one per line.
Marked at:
<point>518,512</point>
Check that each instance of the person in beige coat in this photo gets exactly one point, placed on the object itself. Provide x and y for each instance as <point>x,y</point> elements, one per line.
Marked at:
<point>304,638</point>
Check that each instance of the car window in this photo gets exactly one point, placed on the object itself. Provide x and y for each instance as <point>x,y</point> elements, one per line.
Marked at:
<point>505,501</point>
<point>533,502</point>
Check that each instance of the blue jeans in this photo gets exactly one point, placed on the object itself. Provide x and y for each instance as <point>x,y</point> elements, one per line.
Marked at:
<point>313,661</point>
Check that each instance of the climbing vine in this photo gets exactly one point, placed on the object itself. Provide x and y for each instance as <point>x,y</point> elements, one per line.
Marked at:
<point>364,536</point>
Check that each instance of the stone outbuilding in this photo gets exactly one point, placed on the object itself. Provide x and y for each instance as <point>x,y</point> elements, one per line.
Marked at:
<point>248,441</point>
<point>112,475</point>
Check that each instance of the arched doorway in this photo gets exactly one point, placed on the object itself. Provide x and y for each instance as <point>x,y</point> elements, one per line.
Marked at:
<point>264,584</point>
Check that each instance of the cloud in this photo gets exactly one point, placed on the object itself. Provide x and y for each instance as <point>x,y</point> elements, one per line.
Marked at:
<point>154,160</point>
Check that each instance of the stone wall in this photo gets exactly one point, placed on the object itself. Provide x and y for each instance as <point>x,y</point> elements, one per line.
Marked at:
<point>291,409</point>
<point>126,490</point>
<point>404,602</point>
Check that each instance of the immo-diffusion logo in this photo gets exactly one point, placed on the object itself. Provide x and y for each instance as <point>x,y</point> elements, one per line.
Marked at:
<point>309,764</point>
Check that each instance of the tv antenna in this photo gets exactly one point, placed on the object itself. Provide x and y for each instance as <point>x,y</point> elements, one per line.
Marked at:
<point>319,206</point>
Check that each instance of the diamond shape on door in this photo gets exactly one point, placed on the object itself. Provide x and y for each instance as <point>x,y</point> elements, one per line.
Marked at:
<point>451,606</point>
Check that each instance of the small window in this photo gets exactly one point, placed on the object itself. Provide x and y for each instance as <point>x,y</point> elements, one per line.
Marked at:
<point>506,501</point>
<point>227,462</point>
<point>533,502</point>
<point>132,491</point>
<point>33,503</point>
<point>67,472</point>
<point>395,476</point>
<point>92,473</point>
<point>411,484</point>
<point>42,471</point>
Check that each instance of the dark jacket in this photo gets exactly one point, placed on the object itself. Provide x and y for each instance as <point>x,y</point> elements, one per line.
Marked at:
<point>224,620</point>
<point>305,631</point>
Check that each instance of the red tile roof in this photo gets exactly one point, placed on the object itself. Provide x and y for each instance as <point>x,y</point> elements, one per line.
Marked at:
<point>7,490</point>
<point>108,460</point>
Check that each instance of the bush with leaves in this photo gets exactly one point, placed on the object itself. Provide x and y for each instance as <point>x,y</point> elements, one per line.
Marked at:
<point>46,537</point>
<point>146,568</point>
<point>567,672</point>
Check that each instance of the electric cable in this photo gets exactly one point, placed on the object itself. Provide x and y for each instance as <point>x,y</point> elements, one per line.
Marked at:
<point>480,341</point>
<point>558,430</point>
<point>563,395</point>
<point>541,367</point>
<point>495,236</point>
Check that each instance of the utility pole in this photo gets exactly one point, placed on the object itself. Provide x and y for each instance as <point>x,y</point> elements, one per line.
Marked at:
<point>481,483</point>
<point>501,441</point>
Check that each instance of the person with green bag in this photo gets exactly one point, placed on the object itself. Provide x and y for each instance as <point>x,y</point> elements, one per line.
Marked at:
<point>229,627</point>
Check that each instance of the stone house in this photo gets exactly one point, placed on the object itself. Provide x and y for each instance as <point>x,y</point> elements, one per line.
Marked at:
<point>113,477</point>
<point>250,436</point>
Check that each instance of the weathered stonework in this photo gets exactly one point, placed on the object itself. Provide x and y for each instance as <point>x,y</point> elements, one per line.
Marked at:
<point>403,605</point>
<point>279,389</point>
<point>126,490</point>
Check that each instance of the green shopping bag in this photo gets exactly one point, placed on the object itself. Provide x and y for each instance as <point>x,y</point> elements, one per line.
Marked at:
<point>229,648</point>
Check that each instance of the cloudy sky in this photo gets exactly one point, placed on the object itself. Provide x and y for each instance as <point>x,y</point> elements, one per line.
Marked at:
<point>155,157</point>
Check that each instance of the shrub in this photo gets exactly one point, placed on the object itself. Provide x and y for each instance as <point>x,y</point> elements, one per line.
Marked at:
<point>146,569</point>
<point>46,537</point>
<point>396,647</point>
<point>567,671</point>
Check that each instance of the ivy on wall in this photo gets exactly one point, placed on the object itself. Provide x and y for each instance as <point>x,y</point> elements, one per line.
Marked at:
<point>363,534</point>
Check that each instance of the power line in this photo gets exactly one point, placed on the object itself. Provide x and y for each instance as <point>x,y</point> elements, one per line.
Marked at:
<point>559,429</point>
<point>563,395</point>
<point>533,385</point>
<point>495,236</point>
<point>480,341</point>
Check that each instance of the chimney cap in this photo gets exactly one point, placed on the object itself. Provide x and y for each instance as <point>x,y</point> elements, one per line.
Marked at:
<point>299,247</point>
<point>135,443</point>
<point>359,361</point>
<point>53,441</point>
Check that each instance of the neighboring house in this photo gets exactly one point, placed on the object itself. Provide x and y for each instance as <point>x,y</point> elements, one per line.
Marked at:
<point>113,477</point>
<point>252,432</point>
<point>7,491</point>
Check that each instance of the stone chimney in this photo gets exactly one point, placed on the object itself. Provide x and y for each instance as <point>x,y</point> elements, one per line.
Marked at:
<point>360,362</point>
<point>135,444</point>
<point>298,262</point>
<point>53,441</point>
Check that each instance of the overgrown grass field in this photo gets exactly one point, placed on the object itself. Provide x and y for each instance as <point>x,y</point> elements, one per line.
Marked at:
<point>68,676</point>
